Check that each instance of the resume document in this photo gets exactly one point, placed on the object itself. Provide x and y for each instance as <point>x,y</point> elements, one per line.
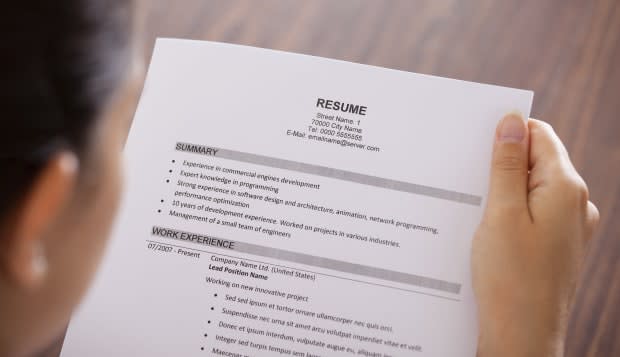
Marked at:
<point>280,204</point>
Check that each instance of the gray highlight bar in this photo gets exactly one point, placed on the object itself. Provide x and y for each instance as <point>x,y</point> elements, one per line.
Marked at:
<point>311,260</point>
<point>332,173</point>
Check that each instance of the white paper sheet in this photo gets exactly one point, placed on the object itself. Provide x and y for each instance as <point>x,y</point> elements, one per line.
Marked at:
<point>283,204</point>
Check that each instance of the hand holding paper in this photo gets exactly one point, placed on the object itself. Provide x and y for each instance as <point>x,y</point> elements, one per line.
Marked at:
<point>528,248</point>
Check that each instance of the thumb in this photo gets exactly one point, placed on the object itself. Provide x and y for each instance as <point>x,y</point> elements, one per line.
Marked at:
<point>509,167</point>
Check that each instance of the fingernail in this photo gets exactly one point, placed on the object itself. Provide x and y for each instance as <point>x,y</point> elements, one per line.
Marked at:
<point>512,129</point>
<point>69,162</point>
<point>39,263</point>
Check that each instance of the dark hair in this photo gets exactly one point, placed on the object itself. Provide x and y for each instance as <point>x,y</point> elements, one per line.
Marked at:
<point>60,62</point>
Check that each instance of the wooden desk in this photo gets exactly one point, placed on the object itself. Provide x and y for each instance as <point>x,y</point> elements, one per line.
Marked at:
<point>567,51</point>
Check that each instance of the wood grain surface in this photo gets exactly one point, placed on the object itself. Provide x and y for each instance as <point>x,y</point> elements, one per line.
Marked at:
<point>567,51</point>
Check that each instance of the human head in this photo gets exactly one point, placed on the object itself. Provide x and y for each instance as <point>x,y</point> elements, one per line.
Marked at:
<point>67,94</point>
